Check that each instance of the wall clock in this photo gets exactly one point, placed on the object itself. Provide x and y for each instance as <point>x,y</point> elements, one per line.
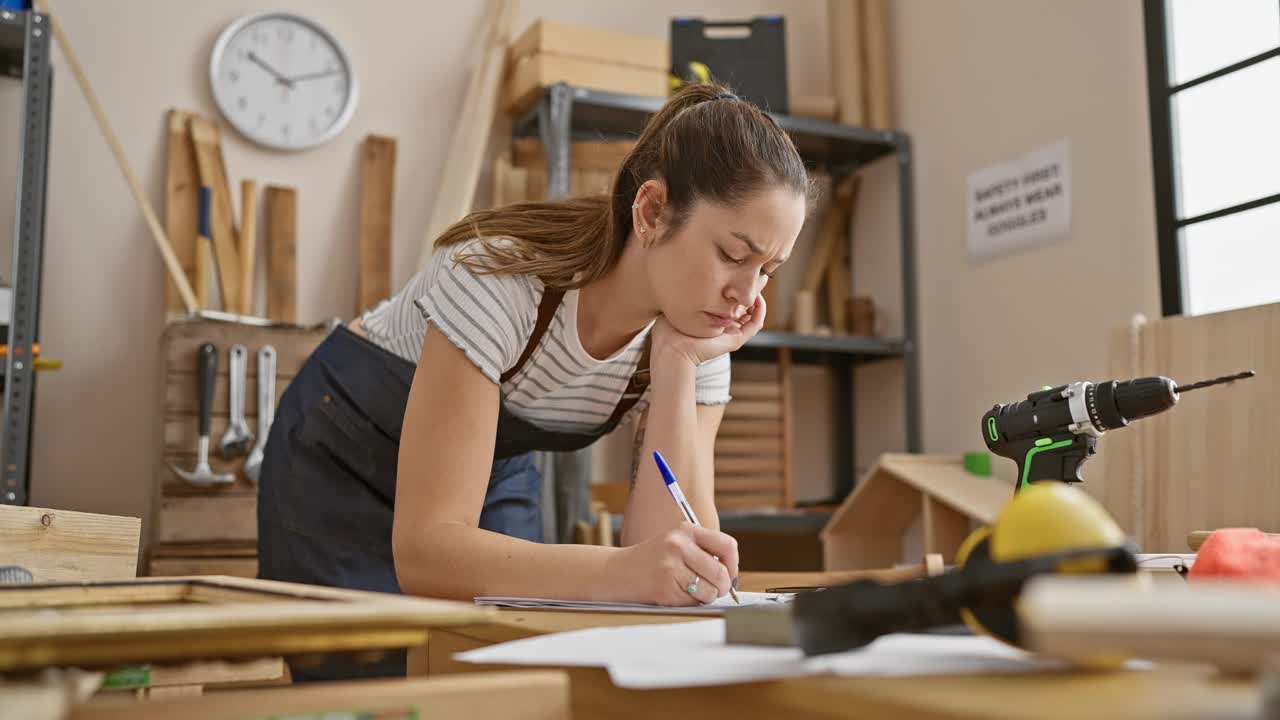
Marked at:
<point>282,81</point>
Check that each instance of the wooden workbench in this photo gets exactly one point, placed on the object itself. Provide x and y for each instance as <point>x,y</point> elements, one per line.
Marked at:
<point>1166,692</point>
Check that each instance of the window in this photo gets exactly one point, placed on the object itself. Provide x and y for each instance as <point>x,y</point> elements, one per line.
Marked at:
<point>1214,85</point>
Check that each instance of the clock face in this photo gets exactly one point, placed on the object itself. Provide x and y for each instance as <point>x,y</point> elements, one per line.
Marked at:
<point>282,81</point>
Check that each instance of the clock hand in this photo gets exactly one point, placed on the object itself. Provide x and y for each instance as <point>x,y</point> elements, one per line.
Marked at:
<point>313,76</point>
<point>253,58</point>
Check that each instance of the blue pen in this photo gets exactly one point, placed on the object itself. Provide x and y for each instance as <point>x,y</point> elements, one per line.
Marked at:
<point>682,502</point>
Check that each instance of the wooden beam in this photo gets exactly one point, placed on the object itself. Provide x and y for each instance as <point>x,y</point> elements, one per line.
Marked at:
<point>282,263</point>
<point>181,203</point>
<point>455,189</point>
<point>377,192</point>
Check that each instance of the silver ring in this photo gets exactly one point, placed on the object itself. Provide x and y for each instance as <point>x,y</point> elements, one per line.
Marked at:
<point>692,587</point>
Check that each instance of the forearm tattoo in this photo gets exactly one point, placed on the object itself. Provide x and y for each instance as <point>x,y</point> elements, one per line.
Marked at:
<point>639,446</point>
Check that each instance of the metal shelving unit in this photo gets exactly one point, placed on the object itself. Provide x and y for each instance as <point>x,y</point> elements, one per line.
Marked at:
<point>25,47</point>
<point>566,113</point>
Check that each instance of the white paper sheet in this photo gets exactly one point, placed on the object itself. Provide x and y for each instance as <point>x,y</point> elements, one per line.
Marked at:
<point>695,654</point>
<point>715,608</point>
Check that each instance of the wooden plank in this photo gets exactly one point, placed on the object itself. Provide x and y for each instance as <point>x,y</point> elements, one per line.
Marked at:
<point>875,25</point>
<point>750,428</point>
<point>63,545</point>
<point>519,695</point>
<point>748,501</point>
<point>377,192</point>
<point>455,191</point>
<point>534,73</point>
<point>833,231</point>
<point>503,191</point>
<point>59,596</point>
<point>750,446</point>
<point>730,483</point>
<point>1232,626</point>
<point>819,107</point>
<point>217,672</point>
<point>788,426</point>
<point>838,286</point>
<point>225,518</point>
<point>181,205</point>
<point>844,22</point>
<point>753,409</point>
<point>587,42</point>
<point>206,550</point>
<point>248,243</point>
<point>180,398</point>
<point>282,249</point>
<point>293,347</point>
<point>745,390</point>
<point>765,465</point>
<point>213,174</point>
<point>600,155</point>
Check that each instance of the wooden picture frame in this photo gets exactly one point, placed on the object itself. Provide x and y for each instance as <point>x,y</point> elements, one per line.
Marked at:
<point>109,623</point>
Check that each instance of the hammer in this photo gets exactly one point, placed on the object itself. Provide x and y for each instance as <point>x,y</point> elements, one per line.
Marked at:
<point>203,475</point>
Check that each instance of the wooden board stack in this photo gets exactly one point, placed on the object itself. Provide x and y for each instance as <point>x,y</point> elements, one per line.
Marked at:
<point>552,52</point>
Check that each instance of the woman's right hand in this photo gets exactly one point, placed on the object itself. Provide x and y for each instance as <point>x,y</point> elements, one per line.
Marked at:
<point>660,570</point>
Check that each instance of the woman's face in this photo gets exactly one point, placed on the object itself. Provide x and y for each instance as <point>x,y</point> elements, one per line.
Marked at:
<point>708,273</point>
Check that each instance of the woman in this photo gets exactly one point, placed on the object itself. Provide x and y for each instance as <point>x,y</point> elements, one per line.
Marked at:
<point>400,457</point>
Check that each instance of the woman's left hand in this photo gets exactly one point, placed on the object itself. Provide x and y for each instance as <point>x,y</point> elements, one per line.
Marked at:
<point>699,350</point>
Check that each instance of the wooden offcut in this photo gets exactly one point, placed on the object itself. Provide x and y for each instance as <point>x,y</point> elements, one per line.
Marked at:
<point>282,253</point>
<point>67,546</point>
<point>248,243</point>
<point>377,191</point>
<point>213,174</point>
<point>181,208</point>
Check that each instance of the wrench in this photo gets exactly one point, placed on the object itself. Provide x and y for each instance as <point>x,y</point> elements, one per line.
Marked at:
<point>266,408</point>
<point>238,438</point>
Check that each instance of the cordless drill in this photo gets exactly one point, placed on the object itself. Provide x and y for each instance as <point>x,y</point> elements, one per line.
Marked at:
<point>1051,433</point>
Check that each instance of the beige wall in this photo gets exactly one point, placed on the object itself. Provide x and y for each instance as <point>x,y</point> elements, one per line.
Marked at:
<point>977,82</point>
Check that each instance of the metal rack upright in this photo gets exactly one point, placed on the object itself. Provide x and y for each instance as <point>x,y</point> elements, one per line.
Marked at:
<point>25,48</point>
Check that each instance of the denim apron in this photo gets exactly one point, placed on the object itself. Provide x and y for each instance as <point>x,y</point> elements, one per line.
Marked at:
<point>326,492</point>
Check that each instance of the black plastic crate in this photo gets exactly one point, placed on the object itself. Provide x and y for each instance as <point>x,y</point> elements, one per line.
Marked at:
<point>748,56</point>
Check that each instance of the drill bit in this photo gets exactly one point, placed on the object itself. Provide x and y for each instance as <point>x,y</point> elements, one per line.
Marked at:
<point>1215,381</point>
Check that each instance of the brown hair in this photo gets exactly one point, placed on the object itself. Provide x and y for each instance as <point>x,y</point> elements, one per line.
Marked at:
<point>704,143</point>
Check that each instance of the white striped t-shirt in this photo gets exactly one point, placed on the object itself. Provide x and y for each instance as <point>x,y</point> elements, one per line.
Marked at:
<point>491,317</point>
